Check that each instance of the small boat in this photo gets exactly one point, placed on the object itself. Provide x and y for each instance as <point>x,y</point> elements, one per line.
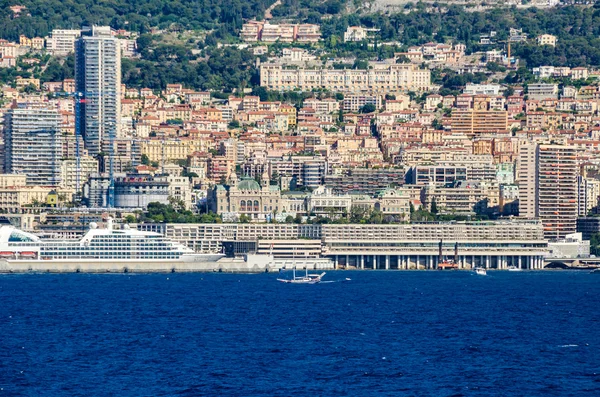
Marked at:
<point>480,271</point>
<point>595,271</point>
<point>306,279</point>
<point>447,264</point>
<point>513,269</point>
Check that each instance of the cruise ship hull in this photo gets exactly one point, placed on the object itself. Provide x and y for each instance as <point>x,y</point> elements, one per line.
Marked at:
<point>187,263</point>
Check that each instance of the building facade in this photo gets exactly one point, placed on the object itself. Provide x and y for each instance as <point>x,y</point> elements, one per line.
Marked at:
<point>33,145</point>
<point>497,244</point>
<point>381,79</point>
<point>548,187</point>
<point>98,79</point>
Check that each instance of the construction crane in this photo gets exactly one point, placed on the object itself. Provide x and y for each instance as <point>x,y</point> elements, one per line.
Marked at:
<point>79,100</point>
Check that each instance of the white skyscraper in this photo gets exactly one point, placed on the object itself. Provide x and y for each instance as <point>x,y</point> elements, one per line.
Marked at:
<point>98,79</point>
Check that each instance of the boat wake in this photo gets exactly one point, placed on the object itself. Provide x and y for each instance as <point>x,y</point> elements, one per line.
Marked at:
<point>344,280</point>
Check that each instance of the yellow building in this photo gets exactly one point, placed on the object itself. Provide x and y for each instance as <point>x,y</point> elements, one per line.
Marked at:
<point>12,199</point>
<point>171,149</point>
<point>291,112</point>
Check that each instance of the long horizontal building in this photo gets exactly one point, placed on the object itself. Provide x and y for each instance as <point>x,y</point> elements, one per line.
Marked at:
<point>382,79</point>
<point>493,244</point>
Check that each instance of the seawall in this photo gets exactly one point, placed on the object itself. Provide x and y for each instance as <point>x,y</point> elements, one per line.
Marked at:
<point>252,264</point>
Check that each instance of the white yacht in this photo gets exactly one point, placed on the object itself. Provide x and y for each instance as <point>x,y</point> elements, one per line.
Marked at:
<point>480,271</point>
<point>99,247</point>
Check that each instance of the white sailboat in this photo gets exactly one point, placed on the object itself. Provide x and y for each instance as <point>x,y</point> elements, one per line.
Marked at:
<point>306,279</point>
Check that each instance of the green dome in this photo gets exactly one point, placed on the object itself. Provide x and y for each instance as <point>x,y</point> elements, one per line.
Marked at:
<point>248,184</point>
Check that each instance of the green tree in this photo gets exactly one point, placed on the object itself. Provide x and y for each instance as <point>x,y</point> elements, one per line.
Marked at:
<point>434,208</point>
<point>244,218</point>
<point>368,108</point>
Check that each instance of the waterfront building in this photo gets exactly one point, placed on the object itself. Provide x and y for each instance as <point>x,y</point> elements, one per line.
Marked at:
<point>492,244</point>
<point>33,144</point>
<point>98,79</point>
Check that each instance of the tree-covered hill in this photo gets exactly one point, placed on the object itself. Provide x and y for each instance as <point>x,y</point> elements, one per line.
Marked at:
<point>41,16</point>
<point>576,27</point>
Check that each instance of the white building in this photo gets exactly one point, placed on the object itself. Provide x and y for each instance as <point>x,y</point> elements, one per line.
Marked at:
<point>33,144</point>
<point>98,78</point>
<point>357,33</point>
<point>482,89</point>
<point>62,41</point>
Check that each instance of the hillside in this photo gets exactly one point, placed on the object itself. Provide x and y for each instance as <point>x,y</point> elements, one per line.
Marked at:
<point>41,16</point>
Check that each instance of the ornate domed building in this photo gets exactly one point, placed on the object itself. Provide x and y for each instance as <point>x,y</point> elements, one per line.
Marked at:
<point>247,196</point>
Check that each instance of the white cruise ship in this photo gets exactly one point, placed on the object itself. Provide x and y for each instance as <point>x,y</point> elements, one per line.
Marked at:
<point>98,247</point>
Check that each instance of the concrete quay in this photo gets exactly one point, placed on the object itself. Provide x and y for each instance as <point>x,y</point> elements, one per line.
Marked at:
<point>248,264</point>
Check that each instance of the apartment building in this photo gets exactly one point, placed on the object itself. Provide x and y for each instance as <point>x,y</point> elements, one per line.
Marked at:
<point>254,31</point>
<point>381,79</point>
<point>473,122</point>
<point>62,41</point>
<point>548,187</point>
<point>353,103</point>
<point>542,91</point>
<point>33,144</point>
<point>364,180</point>
<point>98,78</point>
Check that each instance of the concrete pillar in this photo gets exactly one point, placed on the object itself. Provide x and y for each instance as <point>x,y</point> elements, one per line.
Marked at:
<point>362,262</point>
<point>375,262</point>
<point>418,259</point>
<point>347,261</point>
<point>387,262</point>
<point>336,262</point>
<point>519,262</point>
<point>487,261</point>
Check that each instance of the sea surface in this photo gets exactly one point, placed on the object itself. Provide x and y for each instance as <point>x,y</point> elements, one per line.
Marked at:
<point>394,333</point>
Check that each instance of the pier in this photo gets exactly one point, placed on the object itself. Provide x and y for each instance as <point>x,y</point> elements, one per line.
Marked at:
<point>430,261</point>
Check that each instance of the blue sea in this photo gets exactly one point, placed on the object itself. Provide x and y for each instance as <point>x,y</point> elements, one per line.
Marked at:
<point>394,333</point>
